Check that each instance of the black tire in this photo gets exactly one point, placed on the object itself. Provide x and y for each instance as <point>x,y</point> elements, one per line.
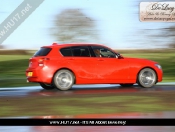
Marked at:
<point>127,85</point>
<point>47,86</point>
<point>63,79</point>
<point>147,78</point>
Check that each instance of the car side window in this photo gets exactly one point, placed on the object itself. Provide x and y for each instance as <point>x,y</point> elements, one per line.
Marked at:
<point>66,51</point>
<point>80,51</point>
<point>103,52</point>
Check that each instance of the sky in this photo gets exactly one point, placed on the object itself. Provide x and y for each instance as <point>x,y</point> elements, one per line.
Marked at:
<point>117,21</point>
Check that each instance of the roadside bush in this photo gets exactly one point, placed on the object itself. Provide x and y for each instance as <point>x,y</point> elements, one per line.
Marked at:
<point>14,52</point>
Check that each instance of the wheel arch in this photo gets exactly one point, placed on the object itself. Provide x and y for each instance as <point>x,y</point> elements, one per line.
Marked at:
<point>144,68</point>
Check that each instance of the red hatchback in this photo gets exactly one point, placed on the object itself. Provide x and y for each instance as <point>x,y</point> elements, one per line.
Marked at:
<point>62,65</point>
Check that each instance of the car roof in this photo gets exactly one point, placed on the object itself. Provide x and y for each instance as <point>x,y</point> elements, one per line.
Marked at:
<point>73,44</point>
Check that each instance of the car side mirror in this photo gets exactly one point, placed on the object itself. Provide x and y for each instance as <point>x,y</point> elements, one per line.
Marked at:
<point>119,56</point>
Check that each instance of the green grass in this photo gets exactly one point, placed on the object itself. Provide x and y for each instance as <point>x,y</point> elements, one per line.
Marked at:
<point>14,57</point>
<point>88,104</point>
<point>12,70</point>
<point>12,67</point>
<point>13,82</point>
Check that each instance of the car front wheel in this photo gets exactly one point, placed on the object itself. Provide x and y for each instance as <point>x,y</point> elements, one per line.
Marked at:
<point>47,86</point>
<point>63,79</point>
<point>147,78</point>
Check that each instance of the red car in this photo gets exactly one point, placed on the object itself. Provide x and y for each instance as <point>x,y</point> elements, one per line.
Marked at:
<point>62,65</point>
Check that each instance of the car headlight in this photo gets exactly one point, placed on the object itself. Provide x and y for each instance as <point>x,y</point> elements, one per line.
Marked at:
<point>158,66</point>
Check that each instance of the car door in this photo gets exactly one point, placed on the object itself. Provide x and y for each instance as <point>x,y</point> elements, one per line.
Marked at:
<point>82,65</point>
<point>110,68</point>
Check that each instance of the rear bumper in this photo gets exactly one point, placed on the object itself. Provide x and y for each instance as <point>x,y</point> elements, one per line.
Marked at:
<point>40,74</point>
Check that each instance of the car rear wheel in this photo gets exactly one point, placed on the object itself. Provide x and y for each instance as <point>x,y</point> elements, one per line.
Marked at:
<point>47,86</point>
<point>147,78</point>
<point>63,79</point>
<point>127,85</point>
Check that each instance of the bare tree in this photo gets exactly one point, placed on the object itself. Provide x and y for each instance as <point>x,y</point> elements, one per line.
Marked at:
<point>72,25</point>
<point>170,33</point>
<point>1,46</point>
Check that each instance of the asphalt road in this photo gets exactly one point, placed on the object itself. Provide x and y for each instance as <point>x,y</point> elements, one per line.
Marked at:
<point>79,89</point>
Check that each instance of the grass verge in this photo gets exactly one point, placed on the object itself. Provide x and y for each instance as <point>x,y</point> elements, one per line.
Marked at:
<point>87,104</point>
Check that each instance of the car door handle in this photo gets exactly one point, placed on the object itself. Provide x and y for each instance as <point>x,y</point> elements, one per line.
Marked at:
<point>71,59</point>
<point>100,60</point>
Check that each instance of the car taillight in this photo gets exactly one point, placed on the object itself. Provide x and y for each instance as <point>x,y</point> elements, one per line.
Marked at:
<point>30,63</point>
<point>41,61</point>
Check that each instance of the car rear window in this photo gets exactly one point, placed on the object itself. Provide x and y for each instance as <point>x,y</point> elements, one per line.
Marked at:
<point>42,52</point>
